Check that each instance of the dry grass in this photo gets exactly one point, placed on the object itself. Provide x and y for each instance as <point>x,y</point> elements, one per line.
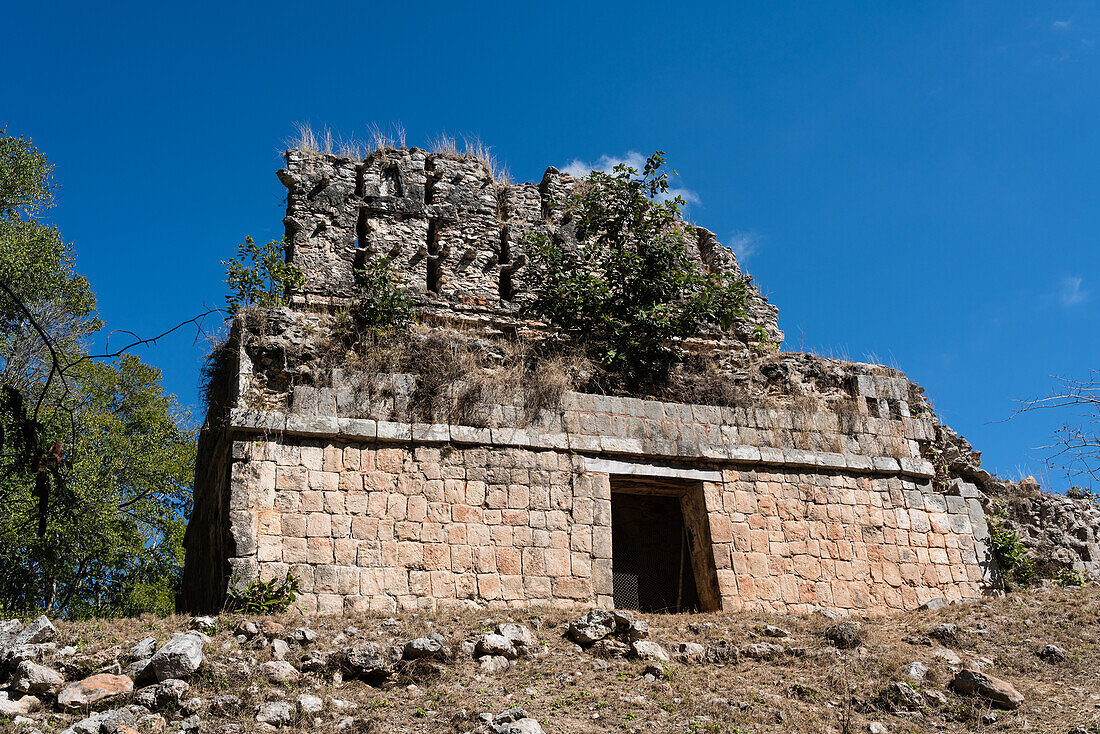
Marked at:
<point>305,138</point>
<point>812,688</point>
<point>459,379</point>
<point>387,138</point>
<point>472,149</point>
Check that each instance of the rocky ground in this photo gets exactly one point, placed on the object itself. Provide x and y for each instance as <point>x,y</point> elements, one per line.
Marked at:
<point>1026,662</point>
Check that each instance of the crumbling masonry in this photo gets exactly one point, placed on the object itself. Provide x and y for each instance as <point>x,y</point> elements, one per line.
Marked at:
<point>818,490</point>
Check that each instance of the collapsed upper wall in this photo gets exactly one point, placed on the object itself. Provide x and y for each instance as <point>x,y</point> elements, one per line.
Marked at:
<point>454,234</point>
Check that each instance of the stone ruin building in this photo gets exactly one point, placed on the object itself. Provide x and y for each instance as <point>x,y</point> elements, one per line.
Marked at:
<point>828,484</point>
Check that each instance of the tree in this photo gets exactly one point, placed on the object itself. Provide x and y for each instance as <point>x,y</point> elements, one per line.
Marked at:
<point>1077,445</point>
<point>629,292</point>
<point>95,460</point>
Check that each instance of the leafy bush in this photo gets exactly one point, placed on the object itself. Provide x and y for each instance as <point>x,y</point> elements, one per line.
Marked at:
<point>1070,577</point>
<point>629,291</point>
<point>384,305</point>
<point>260,275</point>
<point>1011,555</point>
<point>264,597</point>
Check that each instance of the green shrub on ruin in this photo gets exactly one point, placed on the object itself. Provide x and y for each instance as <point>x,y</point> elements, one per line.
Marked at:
<point>383,305</point>
<point>1011,555</point>
<point>1070,577</point>
<point>260,276</point>
<point>264,597</point>
<point>629,292</point>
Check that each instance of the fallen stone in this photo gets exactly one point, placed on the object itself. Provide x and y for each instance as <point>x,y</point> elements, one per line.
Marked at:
<point>275,713</point>
<point>762,651</point>
<point>207,625</point>
<point>688,652</point>
<point>638,629</point>
<point>944,632</point>
<point>180,657</point>
<point>280,671</point>
<point>37,680</point>
<point>610,648</point>
<point>948,656</point>
<point>522,638</point>
<point>112,721</point>
<point>9,628</point>
<point>592,627</point>
<point>165,693</point>
<point>1053,654</point>
<point>93,689</point>
<point>423,647</point>
<point>899,696</point>
<point>144,649</point>
<point>844,635</point>
<point>310,704</point>
<point>317,661</point>
<point>494,664</point>
<point>876,727</point>
<point>721,651</point>
<point>497,645</point>
<point>522,726</point>
<point>140,671</point>
<point>770,630</point>
<point>997,691</point>
<point>12,656</point>
<point>18,706</point>
<point>369,661</point>
<point>39,631</point>
<point>227,704</point>
<point>303,636</point>
<point>272,629</point>
<point>915,671</point>
<point>648,650</point>
<point>279,649</point>
<point>933,604</point>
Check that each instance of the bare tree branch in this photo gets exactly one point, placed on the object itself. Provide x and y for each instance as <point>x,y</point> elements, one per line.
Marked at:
<point>1077,444</point>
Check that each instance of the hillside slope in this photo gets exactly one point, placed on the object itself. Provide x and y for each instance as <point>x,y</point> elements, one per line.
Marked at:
<point>728,672</point>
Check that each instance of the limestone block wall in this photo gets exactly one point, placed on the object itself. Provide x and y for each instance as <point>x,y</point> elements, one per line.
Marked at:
<point>380,525</point>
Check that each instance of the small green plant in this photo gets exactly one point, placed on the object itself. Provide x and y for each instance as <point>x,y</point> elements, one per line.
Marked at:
<point>1070,577</point>
<point>761,341</point>
<point>1011,555</point>
<point>264,597</point>
<point>1080,493</point>
<point>384,305</point>
<point>260,275</point>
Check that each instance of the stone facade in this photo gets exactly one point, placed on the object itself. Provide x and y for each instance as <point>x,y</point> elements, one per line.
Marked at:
<point>813,492</point>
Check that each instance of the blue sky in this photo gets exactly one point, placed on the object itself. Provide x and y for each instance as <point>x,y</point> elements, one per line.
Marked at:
<point>914,183</point>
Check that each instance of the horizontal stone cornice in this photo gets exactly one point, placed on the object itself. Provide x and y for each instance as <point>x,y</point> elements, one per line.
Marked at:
<point>248,421</point>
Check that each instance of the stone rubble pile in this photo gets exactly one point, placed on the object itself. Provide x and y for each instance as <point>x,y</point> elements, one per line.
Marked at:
<point>149,686</point>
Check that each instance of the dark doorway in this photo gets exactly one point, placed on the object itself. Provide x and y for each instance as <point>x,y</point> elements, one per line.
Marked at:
<point>651,550</point>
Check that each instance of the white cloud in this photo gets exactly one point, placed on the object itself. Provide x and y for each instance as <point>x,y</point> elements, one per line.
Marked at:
<point>1072,294</point>
<point>635,160</point>
<point>744,245</point>
<point>1060,25</point>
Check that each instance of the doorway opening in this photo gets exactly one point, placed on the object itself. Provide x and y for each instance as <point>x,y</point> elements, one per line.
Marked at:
<point>661,558</point>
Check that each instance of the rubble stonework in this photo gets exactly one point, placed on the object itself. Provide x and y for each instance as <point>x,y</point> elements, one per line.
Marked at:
<point>814,491</point>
